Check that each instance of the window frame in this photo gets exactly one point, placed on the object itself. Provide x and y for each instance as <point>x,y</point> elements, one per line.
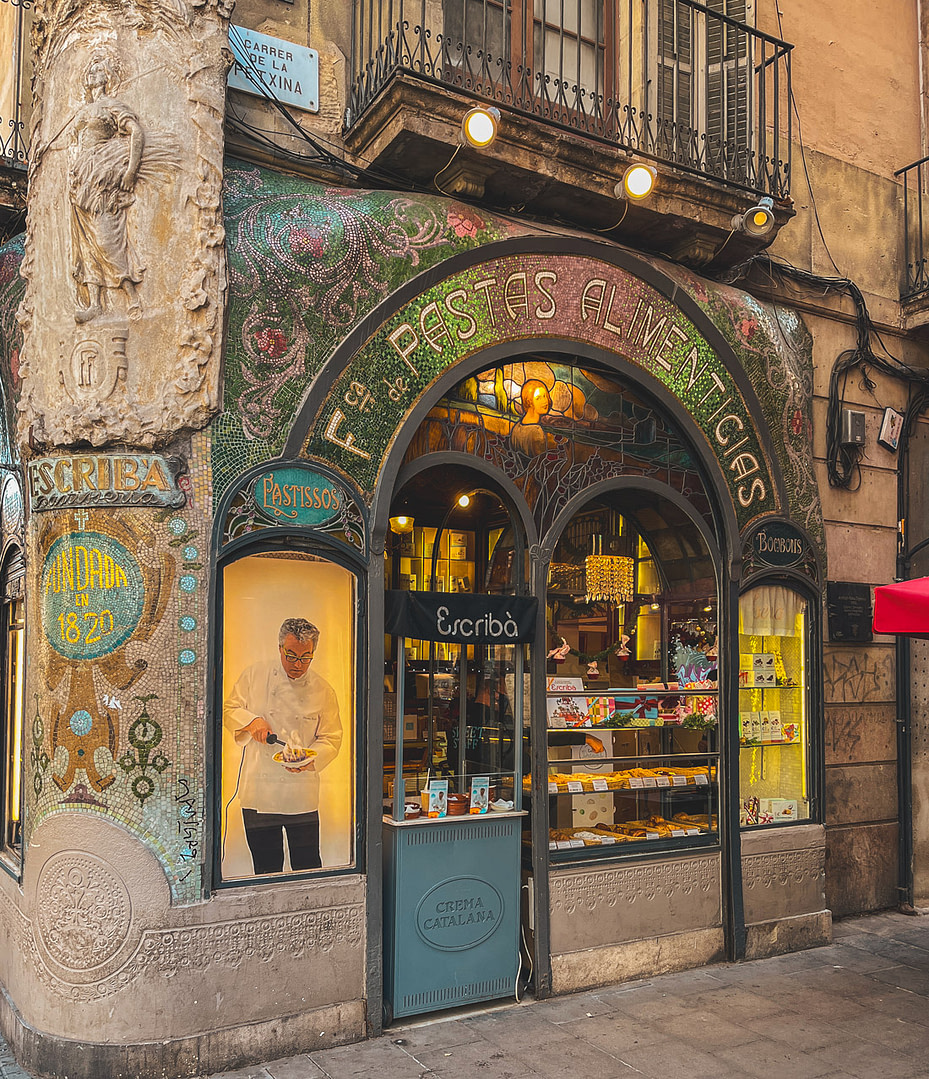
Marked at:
<point>12,580</point>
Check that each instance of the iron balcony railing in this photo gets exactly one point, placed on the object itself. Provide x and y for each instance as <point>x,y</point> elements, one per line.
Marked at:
<point>15,80</point>
<point>681,82</point>
<point>914,179</point>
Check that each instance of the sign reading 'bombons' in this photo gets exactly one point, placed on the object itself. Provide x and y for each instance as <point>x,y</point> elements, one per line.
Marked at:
<point>92,595</point>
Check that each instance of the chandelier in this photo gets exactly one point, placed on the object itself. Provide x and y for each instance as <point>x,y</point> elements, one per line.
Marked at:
<point>609,576</point>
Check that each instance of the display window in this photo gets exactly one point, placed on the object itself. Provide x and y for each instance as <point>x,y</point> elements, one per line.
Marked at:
<point>453,711</point>
<point>632,690</point>
<point>774,742</point>
<point>288,715</point>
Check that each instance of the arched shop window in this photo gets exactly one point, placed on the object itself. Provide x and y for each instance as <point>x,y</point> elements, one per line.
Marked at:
<point>461,706</point>
<point>11,724</point>
<point>775,775</point>
<point>287,689</point>
<point>632,687</point>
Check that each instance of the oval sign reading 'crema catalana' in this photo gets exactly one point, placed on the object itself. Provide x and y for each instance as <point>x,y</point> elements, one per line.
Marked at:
<point>459,913</point>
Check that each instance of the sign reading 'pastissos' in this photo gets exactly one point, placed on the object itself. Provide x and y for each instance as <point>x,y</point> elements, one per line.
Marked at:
<point>92,595</point>
<point>298,496</point>
<point>532,297</point>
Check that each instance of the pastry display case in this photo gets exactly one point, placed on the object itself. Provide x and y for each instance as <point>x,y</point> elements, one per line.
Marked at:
<point>630,767</point>
<point>774,763</point>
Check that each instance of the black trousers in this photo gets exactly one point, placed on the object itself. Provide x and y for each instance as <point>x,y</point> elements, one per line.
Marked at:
<point>264,833</point>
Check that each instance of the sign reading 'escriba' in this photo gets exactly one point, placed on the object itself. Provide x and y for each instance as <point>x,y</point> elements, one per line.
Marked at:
<point>462,619</point>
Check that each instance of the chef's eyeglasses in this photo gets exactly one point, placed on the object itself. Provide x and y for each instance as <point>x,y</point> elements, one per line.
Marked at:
<point>292,657</point>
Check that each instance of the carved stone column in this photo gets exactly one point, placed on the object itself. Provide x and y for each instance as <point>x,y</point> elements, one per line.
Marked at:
<point>125,262</point>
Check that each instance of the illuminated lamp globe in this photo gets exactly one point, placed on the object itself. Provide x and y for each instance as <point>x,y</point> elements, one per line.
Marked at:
<point>479,126</point>
<point>402,524</point>
<point>758,221</point>
<point>638,182</point>
<point>464,501</point>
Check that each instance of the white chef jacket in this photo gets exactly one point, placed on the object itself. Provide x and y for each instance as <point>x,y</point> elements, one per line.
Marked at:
<point>303,711</point>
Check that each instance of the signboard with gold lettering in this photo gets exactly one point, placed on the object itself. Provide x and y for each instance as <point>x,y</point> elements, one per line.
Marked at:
<point>104,479</point>
<point>512,299</point>
<point>92,595</point>
<point>297,496</point>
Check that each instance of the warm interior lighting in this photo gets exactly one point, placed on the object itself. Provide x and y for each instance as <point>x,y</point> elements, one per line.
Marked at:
<point>609,577</point>
<point>479,126</point>
<point>638,182</point>
<point>402,524</point>
<point>708,607</point>
<point>757,221</point>
<point>15,660</point>
<point>464,501</point>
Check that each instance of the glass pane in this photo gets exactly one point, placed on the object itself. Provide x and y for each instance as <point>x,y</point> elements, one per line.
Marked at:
<point>773,703</point>
<point>631,692</point>
<point>288,670</point>
<point>449,534</point>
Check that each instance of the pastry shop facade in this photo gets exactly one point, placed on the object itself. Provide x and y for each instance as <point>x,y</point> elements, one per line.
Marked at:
<point>560,502</point>
<point>511,540</point>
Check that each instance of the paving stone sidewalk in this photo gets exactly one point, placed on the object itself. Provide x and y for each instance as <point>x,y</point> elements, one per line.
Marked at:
<point>858,1009</point>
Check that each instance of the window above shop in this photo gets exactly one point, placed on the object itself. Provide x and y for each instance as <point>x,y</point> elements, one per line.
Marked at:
<point>582,87</point>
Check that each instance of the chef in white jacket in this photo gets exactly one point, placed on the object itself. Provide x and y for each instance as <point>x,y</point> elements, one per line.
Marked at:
<point>286,699</point>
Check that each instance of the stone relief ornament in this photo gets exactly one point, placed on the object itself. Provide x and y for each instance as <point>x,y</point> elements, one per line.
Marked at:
<point>125,257</point>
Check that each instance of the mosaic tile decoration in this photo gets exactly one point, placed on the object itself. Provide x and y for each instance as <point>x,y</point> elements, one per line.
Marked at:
<point>775,347</point>
<point>12,290</point>
<point>116,727</point>
<point>306,264</point>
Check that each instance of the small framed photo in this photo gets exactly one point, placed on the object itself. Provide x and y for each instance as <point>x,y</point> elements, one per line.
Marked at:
<point>891,426</point>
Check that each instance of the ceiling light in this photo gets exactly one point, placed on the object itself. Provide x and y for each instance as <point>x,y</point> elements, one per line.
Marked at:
<point>464,501</point>
<point>638,182</point>
<point>479,126</point>
<point>402,524</point>
<point>758,221</point>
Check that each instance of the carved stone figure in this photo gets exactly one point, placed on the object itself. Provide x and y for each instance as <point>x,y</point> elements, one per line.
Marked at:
<point>125,261</point>
<point>108,142</point>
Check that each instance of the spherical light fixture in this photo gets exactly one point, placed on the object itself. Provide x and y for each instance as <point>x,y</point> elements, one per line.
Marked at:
<point>479,126</point>
<point>758,221</point>
<point>464,501</point>
<point>638,182</point>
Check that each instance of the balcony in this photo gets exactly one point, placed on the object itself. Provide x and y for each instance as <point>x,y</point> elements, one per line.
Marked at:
<point>15,104</point>
<point>914,288</point>
<point>583,86</point>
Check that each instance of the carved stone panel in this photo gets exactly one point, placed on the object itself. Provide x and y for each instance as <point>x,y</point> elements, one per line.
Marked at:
<point>125,262</point>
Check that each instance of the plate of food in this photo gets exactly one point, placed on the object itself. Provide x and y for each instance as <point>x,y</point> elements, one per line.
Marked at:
<point>293,756</point>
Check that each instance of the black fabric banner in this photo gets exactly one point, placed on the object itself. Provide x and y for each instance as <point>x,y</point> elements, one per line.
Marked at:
<point>461,617</point>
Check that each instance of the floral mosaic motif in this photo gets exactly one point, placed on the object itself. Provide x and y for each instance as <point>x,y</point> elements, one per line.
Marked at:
<point>38,756</point>
<point>144,735</point>
<point>306,264</point>
<point>776,350</point>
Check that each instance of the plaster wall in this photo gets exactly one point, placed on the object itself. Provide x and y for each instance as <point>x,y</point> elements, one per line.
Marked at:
<point>93,945</point>
<point>855,72</point>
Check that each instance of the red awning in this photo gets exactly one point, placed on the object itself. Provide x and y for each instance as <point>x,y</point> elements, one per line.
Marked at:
<point>903,608</point>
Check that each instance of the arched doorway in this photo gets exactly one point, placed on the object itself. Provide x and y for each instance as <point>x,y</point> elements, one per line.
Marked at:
<point>620,706</point>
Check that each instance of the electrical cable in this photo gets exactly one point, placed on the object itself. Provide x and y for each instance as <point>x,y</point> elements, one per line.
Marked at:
<point>842,462</point>
<point>435,179</point>
<point>222,856</point>
<point>806,171</point>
